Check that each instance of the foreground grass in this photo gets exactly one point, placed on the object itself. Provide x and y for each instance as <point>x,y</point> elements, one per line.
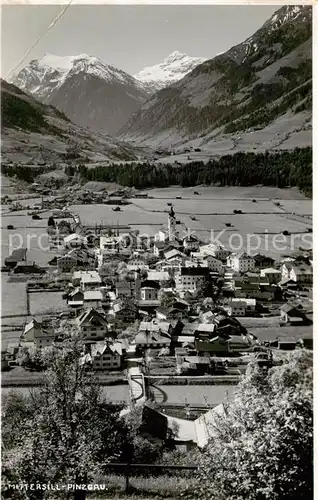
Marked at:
<point>151,487</point>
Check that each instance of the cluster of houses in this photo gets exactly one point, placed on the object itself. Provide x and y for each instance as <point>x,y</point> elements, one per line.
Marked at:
<point>181,297</point>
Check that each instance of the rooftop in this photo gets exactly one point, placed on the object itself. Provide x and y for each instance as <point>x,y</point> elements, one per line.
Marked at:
<point>194,271</point>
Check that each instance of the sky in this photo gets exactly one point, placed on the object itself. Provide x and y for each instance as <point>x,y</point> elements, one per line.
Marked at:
<point>129,37</point>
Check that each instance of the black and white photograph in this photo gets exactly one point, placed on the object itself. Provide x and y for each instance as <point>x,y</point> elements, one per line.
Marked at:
<point>157,250</point>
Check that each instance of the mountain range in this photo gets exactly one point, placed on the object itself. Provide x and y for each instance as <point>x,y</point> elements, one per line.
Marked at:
<point>35,133</point>
<point>255,96</point>
<point>264,82</point>
<point>91,93</point>
<point>170,70</point>
<point>94,94</point>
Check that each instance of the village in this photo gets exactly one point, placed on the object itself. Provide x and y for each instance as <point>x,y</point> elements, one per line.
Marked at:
<point>169,309</point>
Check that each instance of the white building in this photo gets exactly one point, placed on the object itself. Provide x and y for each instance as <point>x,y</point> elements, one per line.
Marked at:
<point>34,333</point>
<point>209,261</point>
<point>92,324</point>
<point>216,250</point>
<point>148,293</point>
<point>160,276</point>
<point>87,280</point>
<point>300,273</point>
<point>107,356</point>
<point>241,262</point>
<point>241,307</point>
<point>93,297</point>
<point>190,278</point>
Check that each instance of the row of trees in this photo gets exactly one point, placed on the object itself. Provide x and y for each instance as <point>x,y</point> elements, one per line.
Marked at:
<point>27,173</point>
<point>281,169</point>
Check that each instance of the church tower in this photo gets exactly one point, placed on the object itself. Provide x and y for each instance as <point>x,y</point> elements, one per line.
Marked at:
<point>171,225</point>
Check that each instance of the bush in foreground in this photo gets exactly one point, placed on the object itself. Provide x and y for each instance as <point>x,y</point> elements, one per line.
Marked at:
<point>263,448</point>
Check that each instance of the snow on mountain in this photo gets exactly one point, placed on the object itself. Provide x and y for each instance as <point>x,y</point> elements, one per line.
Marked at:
<point>43,76</point>
<point>263,80</point>
<point>171,69</point>
<point>91,93</point>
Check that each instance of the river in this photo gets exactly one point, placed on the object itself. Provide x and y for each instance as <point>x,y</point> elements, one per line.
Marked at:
<point>187,394</point>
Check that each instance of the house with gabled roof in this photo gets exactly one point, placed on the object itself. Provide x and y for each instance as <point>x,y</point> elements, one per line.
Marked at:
<point>75,298</point>
<point>160,247</point>
<point>124,289</point>
<point>37,335</point>
<point>301,273</point>
<point>66,263</point>
<point>123,313</point>
<point>16,256</point>
<point>172,254</point>
<point>209,261</point>
<point>292,315</point>
<point>263,261</point>
<point>155,326</point>
<point>191,243</point>
<point>152,340</point>
<point>87,280</point>
<point>107,355</point>
<point>92,324</point>
<point>171,313</point>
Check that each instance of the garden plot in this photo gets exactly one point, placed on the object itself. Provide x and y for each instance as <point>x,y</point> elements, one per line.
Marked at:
<point>297,206</point>
<point>47,302</point>
<point>269,223</point>
<point>129,215</point>
<point>199,205</point>
<point>256,233</point>
<point>277,246</point>
<point>228,192</point>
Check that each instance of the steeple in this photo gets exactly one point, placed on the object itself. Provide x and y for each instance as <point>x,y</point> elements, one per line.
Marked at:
<point>171,224</point>
<point>172,212</point>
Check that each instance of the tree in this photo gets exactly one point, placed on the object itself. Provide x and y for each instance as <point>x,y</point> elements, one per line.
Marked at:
<point>31,359</point>
<point>263,447</point>
<point>140,450</point>
<point>70,434</point>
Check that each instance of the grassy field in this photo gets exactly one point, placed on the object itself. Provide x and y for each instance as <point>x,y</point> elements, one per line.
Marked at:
<point>165,486</point>
<point>213,209</point>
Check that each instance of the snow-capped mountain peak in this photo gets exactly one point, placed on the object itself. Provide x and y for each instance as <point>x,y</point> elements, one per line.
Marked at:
<point>88,91</point>
<point>287,14</point>
<point>43,76</point>
<point>171,69</point>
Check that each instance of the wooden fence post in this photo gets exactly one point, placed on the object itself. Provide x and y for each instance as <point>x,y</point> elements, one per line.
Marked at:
<point>127,479</point>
